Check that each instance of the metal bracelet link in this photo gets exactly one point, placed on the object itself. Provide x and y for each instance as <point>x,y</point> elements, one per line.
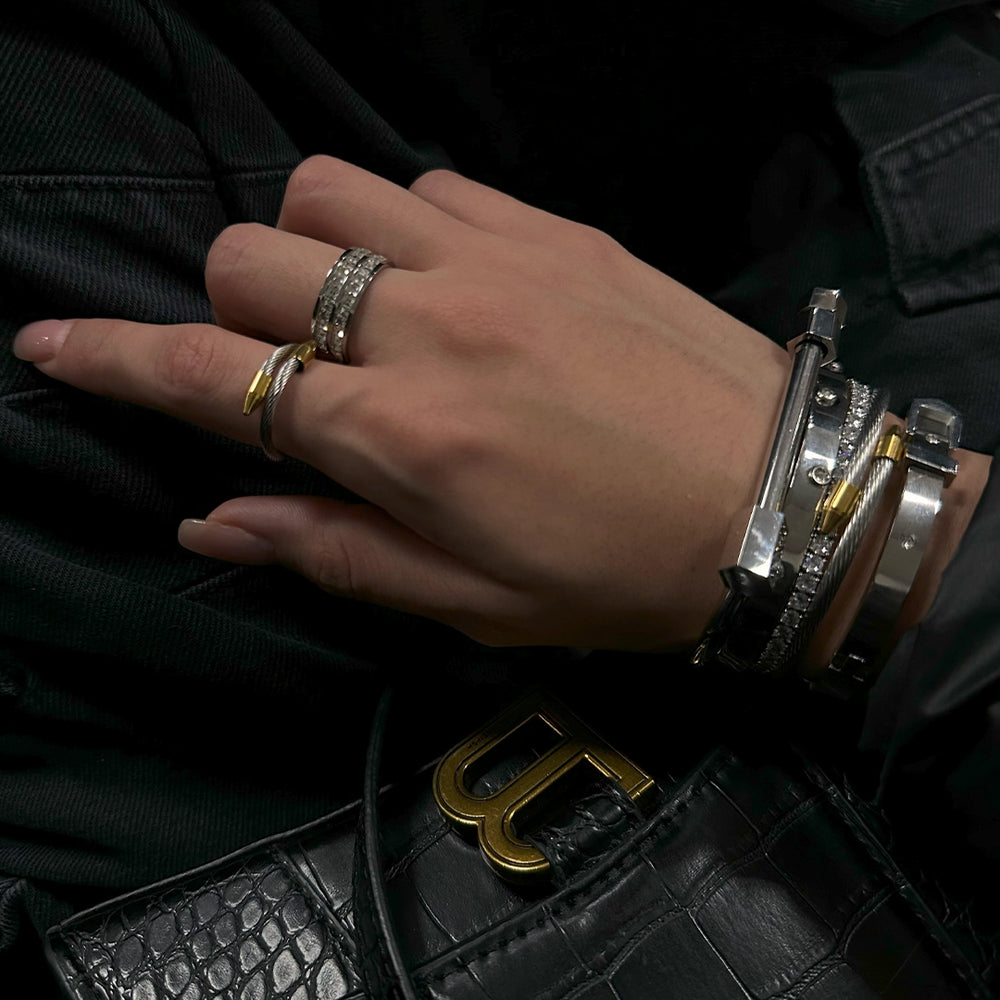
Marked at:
<point>933,430</point>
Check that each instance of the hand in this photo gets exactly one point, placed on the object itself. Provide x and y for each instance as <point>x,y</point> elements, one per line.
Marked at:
<point>553,438</point>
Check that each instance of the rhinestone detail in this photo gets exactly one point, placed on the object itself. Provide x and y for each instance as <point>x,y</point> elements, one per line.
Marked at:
<point>782,642</point>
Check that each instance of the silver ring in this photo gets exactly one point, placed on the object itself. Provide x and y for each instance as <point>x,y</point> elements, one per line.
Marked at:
<point>338,299</point>
<point>326,301</point>
<point>269,383</point>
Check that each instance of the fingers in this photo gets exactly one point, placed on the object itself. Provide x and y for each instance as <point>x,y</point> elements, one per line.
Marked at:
<point>335,202</point>
<point>355,551</point>
<point>264,282</point>
<point>425,227</point>
<point>194,371</point>
<point>490,210</point>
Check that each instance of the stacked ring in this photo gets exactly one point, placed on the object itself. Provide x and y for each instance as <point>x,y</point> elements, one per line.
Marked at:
<point>326,301</point>
<point>338,299</point>
<point>336,303</point>
<point>269,383</point>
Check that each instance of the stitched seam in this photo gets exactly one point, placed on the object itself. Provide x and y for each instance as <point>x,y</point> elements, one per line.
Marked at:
<point>550,913</point>
<point>137,182</point>
<point>27,395</point>
<point>958,961</point>
<point>941,124</point>
<point>819,969</point>
<point>807,976</point>
<point>591,976</point>
<point>882,167</point>
<point>171,51</point>
<point>876,181</point>
<point>209,583</point>
<point>986,260</point>
<point>906,162</point>
<point>67,945</point>
<point>345,947</point>
<point>430,835</point>
<point>764,843</point>
<point>381,960</point>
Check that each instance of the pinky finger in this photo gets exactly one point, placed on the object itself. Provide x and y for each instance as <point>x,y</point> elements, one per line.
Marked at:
<point>357,551</point>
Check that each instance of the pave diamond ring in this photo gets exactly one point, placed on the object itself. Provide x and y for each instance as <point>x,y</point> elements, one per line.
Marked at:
<point>338,299</point>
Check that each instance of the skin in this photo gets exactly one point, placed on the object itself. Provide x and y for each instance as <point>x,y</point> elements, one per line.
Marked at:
<point>555,439</point>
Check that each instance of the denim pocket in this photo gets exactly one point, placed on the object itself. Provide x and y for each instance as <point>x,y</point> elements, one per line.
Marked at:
<point>935,198</point>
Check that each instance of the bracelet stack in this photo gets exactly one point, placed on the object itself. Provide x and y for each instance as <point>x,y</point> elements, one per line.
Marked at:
<point>831,467</point>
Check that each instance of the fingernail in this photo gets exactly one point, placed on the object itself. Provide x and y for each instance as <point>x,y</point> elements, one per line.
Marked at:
<point>225,541</point>
<point>41,341</point>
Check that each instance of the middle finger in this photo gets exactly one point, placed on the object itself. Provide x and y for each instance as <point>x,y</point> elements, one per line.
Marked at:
<point>264,282</point>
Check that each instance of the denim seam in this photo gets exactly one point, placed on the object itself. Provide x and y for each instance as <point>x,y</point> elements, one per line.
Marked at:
<point>929,144</point>
<point>82,182</point>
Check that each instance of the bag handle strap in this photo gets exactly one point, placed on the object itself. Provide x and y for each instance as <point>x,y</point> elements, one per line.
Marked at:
<point>382,966</point>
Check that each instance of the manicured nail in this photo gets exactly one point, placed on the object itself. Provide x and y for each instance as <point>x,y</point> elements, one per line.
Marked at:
<point>41,341</point>
<point>224,541</point>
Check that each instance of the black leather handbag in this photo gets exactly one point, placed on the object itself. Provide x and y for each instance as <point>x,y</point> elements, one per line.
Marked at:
<point>754,875</point>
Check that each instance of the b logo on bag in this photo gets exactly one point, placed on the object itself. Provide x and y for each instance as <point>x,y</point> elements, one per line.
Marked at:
<point>550,748</point>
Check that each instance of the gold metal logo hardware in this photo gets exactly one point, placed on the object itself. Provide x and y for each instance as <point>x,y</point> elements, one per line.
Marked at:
<point>498,818</point>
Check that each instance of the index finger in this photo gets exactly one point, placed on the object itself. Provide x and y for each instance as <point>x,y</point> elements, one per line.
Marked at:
<point>194,371</point>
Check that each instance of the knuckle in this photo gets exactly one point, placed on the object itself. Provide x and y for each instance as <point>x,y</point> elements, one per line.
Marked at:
<point>446,462</point>
<point>335,567</point>
<point>313,175</point>
<point>434,183</point>
<point>232,252</point>
<point>428,455</point>
<point>183,365</point>
<point>595,244</point>
<point>93,352</point>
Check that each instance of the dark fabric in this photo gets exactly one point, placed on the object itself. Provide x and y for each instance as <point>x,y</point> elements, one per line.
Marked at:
<point>895,193</point>
<point>890,16</point>
<point>934,725</point>
<point>926,128</point>
<point>722,145</point>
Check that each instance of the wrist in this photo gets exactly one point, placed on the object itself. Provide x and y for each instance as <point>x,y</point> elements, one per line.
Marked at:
<point>853,526</point>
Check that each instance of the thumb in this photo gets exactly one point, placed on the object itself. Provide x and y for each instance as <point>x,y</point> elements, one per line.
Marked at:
<point>354,550</point>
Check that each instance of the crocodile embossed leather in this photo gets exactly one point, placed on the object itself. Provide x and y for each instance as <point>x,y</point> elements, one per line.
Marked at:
<point>747,879</point>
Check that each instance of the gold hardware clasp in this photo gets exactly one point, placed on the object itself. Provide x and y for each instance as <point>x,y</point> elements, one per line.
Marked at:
<point>569,744</point>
